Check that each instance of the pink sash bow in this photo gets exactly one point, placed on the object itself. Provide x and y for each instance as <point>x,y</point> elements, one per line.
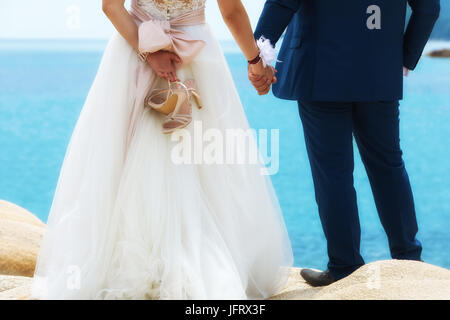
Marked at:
<point>155,35</point>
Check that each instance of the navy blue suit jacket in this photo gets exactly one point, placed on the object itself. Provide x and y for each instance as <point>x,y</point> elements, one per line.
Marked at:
<point>330,54</point>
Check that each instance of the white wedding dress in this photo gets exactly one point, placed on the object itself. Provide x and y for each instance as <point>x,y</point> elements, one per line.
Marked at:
<point>129,223</point>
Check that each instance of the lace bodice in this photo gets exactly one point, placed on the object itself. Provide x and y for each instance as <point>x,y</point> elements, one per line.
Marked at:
<point>168,9</point>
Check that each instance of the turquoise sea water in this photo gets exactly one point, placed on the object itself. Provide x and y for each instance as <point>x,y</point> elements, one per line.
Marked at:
<point>43,87</point>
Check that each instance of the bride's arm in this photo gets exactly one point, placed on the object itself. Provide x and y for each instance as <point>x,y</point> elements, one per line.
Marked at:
<point>162,62</point>
<point>237,21</point>
<point>122,21</point>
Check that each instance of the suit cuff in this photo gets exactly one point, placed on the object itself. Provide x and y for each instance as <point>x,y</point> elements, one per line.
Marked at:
<point>410,60</point>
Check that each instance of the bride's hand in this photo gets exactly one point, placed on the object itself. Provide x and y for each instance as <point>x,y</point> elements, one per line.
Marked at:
<point>163,64</point>
<point>261,78</point>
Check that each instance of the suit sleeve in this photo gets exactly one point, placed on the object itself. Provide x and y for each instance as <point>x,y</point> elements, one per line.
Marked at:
<point>275,18</point>
<point>423,17</point>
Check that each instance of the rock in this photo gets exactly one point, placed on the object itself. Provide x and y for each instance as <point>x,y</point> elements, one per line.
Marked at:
<point>296,288</point>
<point>21,233</point>
<point>443,53</point>
<point>381,280</point>
<point>11,282</point>
<point>14,287</point>
<point>18,293</point>
<point>20,237</point>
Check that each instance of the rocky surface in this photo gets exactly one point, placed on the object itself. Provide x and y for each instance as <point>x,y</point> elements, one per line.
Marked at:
<point>20,236</point>
<point>14,287</point>
<point>442,53</point>
<point>21,233</point>
<point>381,280</point>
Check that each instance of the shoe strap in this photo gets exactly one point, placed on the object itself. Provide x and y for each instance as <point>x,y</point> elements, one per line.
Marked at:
<point>189,91</point>
<point>180,117</point>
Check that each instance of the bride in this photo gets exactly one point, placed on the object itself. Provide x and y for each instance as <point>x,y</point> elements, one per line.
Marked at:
<point>128,222</point>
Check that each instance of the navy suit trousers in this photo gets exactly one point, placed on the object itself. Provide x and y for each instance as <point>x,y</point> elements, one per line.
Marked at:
<point>329,128</point>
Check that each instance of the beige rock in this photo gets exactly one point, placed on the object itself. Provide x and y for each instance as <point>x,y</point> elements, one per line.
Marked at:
<point>14,287</point>
<point>11,282</point>
<point>296,288</point>
<point>381,280</point>
<point>20,237</point>
<point>443,53</point>
<point>392,280</point>
<point>21,233</point>
<point>18,293</point>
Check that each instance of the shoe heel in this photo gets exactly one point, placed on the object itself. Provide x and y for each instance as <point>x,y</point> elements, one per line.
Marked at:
<point>190,84</point>
<point>197,100</point>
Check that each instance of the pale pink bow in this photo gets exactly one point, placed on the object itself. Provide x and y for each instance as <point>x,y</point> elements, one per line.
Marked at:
<point>156,35</point>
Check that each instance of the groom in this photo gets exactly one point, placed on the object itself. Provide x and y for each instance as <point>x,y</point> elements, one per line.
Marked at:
<point>342,61</point>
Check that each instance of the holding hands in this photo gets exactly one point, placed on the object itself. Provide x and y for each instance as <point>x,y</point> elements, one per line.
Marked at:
<point>261,77</point>
<point>164,63</point>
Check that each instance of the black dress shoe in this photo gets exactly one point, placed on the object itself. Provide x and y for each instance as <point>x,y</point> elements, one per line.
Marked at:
<point>317,278</point>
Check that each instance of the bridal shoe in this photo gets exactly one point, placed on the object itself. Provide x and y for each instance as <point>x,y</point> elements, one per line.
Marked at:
<point>162,100</point>
<point>181,116</point>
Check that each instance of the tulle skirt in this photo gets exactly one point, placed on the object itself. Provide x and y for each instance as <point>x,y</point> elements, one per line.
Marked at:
<point>129,222</point>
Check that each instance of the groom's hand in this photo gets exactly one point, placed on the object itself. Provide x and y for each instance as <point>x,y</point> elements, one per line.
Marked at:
<point>261,78</point>
<point>406,71</point>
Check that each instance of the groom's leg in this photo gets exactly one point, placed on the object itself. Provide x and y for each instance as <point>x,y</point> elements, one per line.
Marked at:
<point>376,129</point>
<point>328,135</point>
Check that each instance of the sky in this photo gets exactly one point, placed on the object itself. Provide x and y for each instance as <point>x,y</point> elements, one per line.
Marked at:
<point>69,19</point>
